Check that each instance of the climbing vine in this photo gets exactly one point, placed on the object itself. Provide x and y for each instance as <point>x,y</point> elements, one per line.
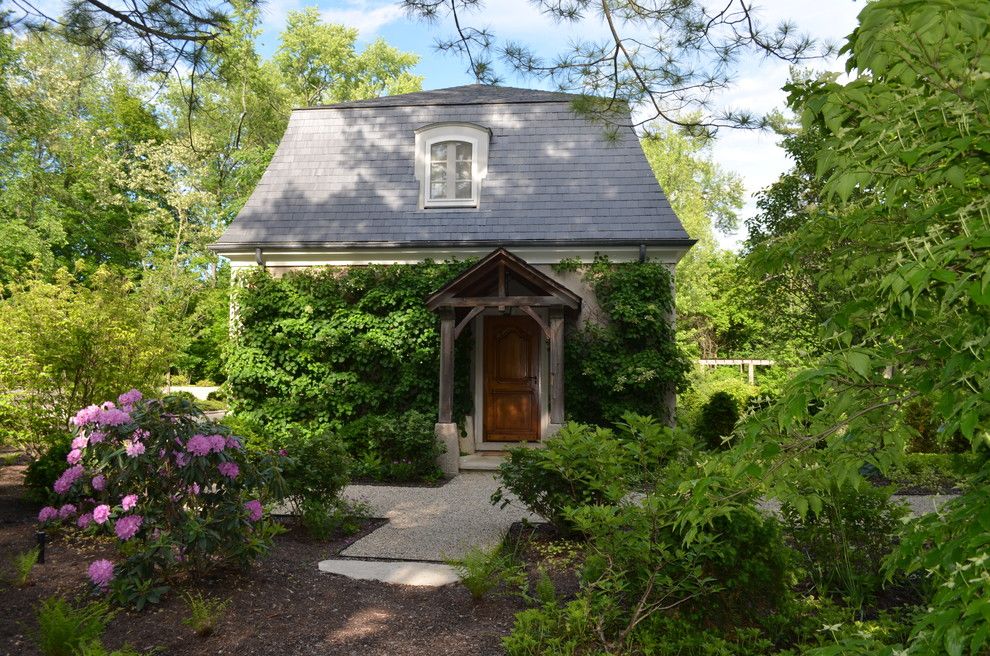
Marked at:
<point>630,362</point>
<point>320,347</point>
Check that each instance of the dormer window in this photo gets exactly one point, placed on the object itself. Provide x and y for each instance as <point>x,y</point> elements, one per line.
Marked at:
<point>450,170</point>
<point>451,162</point>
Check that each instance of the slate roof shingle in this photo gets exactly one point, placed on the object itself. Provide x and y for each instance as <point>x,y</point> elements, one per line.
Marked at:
<point>343,175</point>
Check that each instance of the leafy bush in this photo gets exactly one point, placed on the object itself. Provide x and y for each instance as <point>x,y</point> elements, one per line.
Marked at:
<point>323,519</point>
<point>666,575</point>
<point>175,489</point>
<point>482,571</point>
<point>42,472</point>
<point>393,447</point>
<point>843,546</point>
<point>204,613</point>
<point>717,420</point>
<point>631,363</point>
<point>932,472</point>
<point>705,383</point>
<point>64,345</point>
<point>63,628</point>
<point>316,468</point>
<point>587,465</point>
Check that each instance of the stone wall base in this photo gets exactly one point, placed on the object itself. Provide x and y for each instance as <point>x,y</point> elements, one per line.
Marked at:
<point>449,460</point>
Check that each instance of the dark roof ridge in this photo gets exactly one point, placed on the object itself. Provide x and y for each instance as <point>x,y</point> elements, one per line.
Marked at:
<point>454,96</point>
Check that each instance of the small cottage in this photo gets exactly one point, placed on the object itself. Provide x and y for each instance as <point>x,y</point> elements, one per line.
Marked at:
<point>514,178</point>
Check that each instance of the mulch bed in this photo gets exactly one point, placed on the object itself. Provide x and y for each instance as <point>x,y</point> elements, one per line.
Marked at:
<point>283,606</point>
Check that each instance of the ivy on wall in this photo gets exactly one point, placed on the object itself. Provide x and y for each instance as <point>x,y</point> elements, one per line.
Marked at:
<point>317,348</point>
<point>631,362</point>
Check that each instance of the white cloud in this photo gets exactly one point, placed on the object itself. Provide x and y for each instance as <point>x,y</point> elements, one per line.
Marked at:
<point>367,17</point>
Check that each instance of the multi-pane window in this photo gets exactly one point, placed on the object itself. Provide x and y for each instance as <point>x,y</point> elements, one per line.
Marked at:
<point>450,171</point>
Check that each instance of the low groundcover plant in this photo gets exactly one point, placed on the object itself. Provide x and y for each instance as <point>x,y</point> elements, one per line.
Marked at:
<point>176,492</point>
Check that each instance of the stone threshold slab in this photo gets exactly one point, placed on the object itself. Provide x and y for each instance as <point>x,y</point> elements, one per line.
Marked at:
<point>431,575</point>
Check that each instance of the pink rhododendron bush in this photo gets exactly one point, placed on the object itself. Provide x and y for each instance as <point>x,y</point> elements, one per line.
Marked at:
<point>175,492</point>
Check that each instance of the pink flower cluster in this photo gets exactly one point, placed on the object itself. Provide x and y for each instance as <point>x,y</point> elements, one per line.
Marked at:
<point>201,445</point>
<point>68,479</point>
<point>129,501</point>
<point>47,514</point>
<point>255,511</point>
<point>133,448</point>
<point>229,469</point>
<point>127,526</point>
<point>129,398</point>
<point>101,513</point>
<point>108,415</point>
<point>101,572</point>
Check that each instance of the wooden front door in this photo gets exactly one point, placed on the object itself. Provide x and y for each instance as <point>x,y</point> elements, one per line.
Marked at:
<point>512,374</point>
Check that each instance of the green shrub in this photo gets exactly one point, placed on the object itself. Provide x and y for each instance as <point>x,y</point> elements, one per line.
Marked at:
<point>704,383</point>
<point>843,546</point>
<point>717,420</point>
<point>393,447</point>
<point>580,465</point>
<point>587,465</point>
<point>482,571</point>
<point>64,628</point>
<point>645,589</point>
<point>204,613</point>
<point>316,468</point>
<point>42,472</point>
<point>64,346</point>
<point>324,520</point>
<point>932,472</point>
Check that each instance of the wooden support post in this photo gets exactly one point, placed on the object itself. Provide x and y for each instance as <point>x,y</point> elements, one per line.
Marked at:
<point>752,374</point>
<point>556,367</point>
<point>446,366</point>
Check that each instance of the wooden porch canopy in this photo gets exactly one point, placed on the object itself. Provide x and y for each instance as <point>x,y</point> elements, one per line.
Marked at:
<point>502,280</point>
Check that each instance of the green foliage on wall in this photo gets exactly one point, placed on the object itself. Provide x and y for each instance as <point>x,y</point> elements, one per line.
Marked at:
<point>318,348</point>
<point>630,363</point>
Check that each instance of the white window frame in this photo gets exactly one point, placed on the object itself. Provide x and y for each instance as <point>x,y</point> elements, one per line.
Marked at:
<point>470,133</point>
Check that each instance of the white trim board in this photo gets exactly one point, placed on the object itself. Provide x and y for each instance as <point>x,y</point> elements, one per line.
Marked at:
<point>354,257</point>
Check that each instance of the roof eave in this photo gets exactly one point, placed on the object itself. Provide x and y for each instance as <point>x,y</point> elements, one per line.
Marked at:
<point>227,247</point>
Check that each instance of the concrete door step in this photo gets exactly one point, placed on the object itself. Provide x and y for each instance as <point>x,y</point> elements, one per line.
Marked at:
<point>481,462</point>
<point>431,575</point>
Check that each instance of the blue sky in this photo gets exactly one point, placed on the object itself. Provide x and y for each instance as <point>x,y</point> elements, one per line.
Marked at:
<point>753,155</point>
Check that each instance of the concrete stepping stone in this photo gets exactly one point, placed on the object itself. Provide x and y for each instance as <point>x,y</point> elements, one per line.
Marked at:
<point>431,575</point>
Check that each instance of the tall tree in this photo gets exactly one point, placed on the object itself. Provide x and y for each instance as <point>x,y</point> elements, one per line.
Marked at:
<point>905,154</point>
<point>786,277</point>
<point>711,314</point>
<point>321,64</point>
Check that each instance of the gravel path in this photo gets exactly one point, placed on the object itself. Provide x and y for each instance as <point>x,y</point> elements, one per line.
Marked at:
<point>434,523</point>
<point>437,523</point>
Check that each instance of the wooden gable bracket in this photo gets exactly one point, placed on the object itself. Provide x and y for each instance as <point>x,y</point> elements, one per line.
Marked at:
<point>538,319</point>
<point>494,267</point>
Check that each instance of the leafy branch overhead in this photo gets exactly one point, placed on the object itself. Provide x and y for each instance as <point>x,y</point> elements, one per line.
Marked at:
<point>671,59</point>
<point>153,36</point>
